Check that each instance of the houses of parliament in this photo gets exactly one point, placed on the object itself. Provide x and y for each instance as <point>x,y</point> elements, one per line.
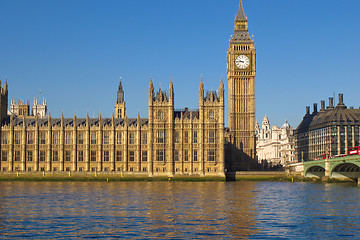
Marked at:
<point>169,142</point>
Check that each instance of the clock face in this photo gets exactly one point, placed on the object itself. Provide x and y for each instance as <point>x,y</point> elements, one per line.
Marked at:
<point>242,61</point>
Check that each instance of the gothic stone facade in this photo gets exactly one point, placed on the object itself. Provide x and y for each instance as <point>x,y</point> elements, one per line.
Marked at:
<point>241,68</point>
<point>168,142</point>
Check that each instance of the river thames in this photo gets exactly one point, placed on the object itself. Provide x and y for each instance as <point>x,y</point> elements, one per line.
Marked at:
<point>179,210</point>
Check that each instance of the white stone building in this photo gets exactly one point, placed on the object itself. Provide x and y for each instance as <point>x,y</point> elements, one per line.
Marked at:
<point>22,108</point>
<point>39,110</point>
<point>274,145</point>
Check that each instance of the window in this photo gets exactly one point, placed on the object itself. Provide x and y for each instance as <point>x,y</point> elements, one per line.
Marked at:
<point>17,138</point>
<point>29,156</point>
<point>55,138</point>
<point>195,156</point>
<point>80,156</point>
<point>160,155</point>
<point>42,156</point>
<point>160,115</point>
<point>118,156</point>
<point>106,138</point>
<point>81,138</point>
<point>144,138</point>
<point>93,138</point>
<point>131,156</point>
<point>211,136</point>
<point>176,155</point>
<point>131,138</point>
<point>42,138</point>
<point>4,156</point>
<point>144,169</point>
<point>211,156</point>
<point>30,138</point>
<point>67,156</point>
<point>93,169</point>
<point>186,155</point>
<point>93,156</point>
<point>55,156</point>
<point>106,169</point>
<point>195,137</point>
<point>17,156</point>
<point>4,139</point>
<point>68,138</point>
<point>160,136</point>
<point>55,169</point>
<point>177,137</point>
<point>144,156</point>
<point>106,156</point>
<point>186,137</point>
<point>211,115</point>
<point>118,138</point>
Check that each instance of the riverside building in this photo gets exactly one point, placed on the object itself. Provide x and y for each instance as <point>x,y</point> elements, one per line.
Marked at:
<point>168,142</point>
<point>274,145</point>
<point>332,130</point>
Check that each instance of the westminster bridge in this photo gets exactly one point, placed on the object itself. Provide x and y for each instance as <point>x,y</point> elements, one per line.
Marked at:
<point>346,167</point>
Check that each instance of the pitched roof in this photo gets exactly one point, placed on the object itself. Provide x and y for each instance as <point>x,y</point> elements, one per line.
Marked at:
<point>69,122</point>
<point>339,115</point>
<point>241,13</point>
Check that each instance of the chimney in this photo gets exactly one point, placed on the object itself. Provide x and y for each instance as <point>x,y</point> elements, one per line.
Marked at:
<point>322,105</point>
<point>307,110</point>
<point>331,102</point>
<point>315,108</point>
<point>341,98</point>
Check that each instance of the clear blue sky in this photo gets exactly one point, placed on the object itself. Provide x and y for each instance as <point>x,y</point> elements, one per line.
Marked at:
<point>76,50</point>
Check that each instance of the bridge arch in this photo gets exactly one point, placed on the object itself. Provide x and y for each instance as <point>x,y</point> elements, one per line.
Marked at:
<point>346,170</point>
<point>315,171</point>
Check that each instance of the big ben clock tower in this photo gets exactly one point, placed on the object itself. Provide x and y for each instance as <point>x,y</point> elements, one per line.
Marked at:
<point>241,67</point>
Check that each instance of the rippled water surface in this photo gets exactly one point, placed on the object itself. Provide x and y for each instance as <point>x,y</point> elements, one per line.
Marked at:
<point>179,210</point>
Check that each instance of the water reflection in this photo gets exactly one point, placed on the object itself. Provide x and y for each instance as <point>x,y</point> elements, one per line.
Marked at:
<point>129,210</point>
<point>178,210</point>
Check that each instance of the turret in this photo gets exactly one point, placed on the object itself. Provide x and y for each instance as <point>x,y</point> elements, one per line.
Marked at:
<point>171,91</point>
<point>151,91</point>
<point>201,92</point>
<point>221,90</point>
<point>120,109</point>
<point>3,101</point>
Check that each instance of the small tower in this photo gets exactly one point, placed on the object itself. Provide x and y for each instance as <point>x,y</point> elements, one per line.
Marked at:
<point>120,109</point>
<point>161,123</point>
<point>3,101</point>
<point>265,129</point>
<point>20,109</point>
<point>39,110</point>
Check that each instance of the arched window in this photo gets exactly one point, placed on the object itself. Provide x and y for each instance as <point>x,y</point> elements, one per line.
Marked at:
<point>211,115</point>
<point>160,115</point>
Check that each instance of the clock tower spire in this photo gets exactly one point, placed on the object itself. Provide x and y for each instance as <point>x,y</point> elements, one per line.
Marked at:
<point>241,67</point>
<point>241,13</point>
